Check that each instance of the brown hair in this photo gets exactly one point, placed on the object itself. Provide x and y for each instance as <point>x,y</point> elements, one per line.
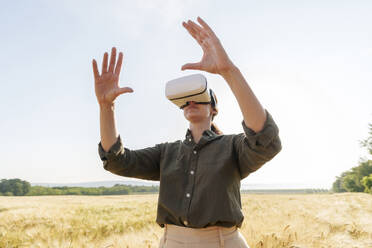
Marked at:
<point>214,127</point>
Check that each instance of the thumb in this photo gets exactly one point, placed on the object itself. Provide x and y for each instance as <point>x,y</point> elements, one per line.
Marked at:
<point>123,90</point>
<point>192,66</point>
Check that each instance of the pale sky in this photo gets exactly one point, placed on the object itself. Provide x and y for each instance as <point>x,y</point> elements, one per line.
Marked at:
<point>308,62</point>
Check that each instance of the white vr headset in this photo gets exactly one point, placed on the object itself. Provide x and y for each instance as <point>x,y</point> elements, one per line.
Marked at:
<point>194,87</point>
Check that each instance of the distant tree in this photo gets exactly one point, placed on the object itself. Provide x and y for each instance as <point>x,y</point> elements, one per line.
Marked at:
<point>364,168</point>
<point>117,190</point>
<point>338,184</point>
<point>352,183</point>
<point>367,183</point>
<point>4,186</point>
<point>367,143</point>
<point>26,187</point>
<point>15,186</point>
<point>353,179</point>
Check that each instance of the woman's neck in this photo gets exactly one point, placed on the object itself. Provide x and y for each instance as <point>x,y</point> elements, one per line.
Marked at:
<point>197,129</point>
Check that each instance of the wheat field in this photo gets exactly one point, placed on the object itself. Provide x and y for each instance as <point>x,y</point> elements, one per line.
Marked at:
<point>319,220</point>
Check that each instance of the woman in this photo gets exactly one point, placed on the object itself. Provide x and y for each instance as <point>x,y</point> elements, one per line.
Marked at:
<point>199,201</point>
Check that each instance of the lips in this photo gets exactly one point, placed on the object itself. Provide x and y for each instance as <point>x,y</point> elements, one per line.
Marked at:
<point>192,107</point>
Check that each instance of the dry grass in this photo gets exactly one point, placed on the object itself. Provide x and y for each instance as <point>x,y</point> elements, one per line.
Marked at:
<point>271,221</point>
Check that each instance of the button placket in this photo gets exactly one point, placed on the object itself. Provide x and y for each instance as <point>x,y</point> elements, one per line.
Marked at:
<point>191,182</point>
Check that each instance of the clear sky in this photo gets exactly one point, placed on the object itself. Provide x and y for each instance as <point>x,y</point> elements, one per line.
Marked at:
<point>308,62</point>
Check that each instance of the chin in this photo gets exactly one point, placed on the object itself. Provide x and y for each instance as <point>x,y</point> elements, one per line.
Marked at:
<point>194,118</point>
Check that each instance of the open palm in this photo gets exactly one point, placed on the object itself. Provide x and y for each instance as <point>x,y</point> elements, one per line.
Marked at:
<point>106,84</point>
<point>215,58</point>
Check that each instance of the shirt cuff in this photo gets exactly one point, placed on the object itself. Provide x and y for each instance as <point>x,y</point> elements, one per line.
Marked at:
<point>112,152</point>
<point>265,136</point>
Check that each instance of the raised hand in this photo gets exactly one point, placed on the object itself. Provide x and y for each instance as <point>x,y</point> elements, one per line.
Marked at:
<point>215,59</point>
<point>106,84</point>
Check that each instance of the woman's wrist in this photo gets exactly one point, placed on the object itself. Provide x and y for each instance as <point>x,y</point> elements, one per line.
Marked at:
<point>106,106</point>
<point>229,72</point>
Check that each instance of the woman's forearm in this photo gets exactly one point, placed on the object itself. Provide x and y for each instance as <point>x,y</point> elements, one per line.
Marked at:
<point>253,113</point>
<point>107,126</point>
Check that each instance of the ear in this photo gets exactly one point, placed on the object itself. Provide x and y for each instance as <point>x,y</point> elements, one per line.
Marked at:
<point>212,111</point>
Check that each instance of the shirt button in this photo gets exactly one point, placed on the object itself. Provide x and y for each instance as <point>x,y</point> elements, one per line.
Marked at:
<point>185,222</point>
<point>187,195</point>
<point>189,139</point>
<point>194,152</point>
<point>192,172</point>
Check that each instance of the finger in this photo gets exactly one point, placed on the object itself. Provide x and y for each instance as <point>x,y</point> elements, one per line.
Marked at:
<point>104,63</point>
<point>192,32</point>
<point>95,69</point>
<point>124,90</point>
<point>195,34</point>
<point>118,64</point>
<point>204,35</point>
<point>112,60</point>
<point>202,40</point>
<point>192,66</point>
<point>190,29</point>
<point>201,34</point>
<point>205,25</point>
<point>195,26</point>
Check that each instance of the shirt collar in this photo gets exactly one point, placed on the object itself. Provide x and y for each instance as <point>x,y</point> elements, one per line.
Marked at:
<point>208,134</point>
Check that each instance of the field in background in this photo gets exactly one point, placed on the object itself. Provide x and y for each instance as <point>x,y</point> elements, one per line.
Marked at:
<point>323,220</point>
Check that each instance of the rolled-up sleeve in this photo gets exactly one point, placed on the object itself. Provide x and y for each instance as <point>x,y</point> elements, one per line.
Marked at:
<point>141,163</point>
<point>255,149</point>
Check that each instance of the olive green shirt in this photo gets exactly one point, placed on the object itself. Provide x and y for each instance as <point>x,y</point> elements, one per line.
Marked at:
<point>199,183</point>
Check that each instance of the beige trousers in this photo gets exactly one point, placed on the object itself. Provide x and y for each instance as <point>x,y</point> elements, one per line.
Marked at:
<point>210,237</point>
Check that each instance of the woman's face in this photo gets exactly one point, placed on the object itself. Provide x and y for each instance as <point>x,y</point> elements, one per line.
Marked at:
<point>197,112</point>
